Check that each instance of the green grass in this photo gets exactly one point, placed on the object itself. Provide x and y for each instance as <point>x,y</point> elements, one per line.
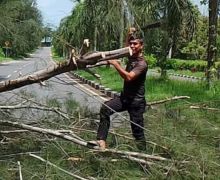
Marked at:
<point>3,59</point>
<point>191,137</point>
<point>56,57</point>
<point>157,88</point>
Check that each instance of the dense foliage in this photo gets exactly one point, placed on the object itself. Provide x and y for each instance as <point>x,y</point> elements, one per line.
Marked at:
<point>106,24</point>
<point>20,26</point>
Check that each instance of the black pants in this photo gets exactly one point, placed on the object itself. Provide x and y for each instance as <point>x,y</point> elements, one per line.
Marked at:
<point>135,109</point>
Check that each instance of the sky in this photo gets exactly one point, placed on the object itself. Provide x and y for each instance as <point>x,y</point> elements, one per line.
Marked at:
<point>203,8</point>
<point>54,10</point>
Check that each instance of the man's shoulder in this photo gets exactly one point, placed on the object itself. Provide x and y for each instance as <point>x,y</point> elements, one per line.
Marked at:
<point>142,60</point>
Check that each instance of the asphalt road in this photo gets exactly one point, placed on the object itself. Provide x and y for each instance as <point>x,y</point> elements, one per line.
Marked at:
<point>60,88</point>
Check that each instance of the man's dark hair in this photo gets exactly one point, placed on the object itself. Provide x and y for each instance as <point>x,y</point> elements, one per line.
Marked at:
<point>136,35</point>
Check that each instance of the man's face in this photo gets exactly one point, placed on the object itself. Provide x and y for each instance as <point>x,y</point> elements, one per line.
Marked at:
<point>136,46</point>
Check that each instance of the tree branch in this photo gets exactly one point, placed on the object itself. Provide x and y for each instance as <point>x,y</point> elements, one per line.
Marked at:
<point>204,108</point>
<point>36,107</point>
<point>78,141</point>
<point>166,100</point>
<point>60,68</point>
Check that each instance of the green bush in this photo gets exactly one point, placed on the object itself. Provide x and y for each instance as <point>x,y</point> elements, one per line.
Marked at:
<point>217,64</point>
<point>1,53</point>
<point>194,65</point>
<point>179,64</point>
<point>151,60</point>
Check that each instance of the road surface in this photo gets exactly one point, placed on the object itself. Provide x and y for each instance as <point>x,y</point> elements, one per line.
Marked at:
<point>59,88</point>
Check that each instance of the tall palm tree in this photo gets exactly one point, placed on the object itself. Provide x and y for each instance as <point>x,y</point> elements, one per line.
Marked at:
<point>171,16</point>
<point>106,23</point>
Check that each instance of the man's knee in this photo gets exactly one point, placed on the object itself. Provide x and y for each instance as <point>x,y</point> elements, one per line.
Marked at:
<point>105,111</point>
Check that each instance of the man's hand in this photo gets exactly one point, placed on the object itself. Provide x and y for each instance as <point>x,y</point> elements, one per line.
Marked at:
<point>113,62</point>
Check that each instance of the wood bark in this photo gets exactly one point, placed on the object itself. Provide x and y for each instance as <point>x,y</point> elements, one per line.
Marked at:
<point>212,49</point>
<point>71,65</point>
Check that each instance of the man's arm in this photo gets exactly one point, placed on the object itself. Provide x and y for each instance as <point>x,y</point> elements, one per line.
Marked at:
<point>127,76</point>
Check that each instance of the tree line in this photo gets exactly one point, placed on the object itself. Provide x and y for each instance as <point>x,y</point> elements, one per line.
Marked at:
<point>21,27</point>
<point>170,28</point>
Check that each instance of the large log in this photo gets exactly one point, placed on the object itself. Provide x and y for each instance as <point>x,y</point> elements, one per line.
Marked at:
<point>71,65</point>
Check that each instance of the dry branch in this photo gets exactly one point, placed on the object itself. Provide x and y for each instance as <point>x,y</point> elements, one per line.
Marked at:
<point>135,154</point>
<point>19,171</point>
<point>204,108</point>
<point>43,131</point>
<point>121,135</point>
<point>56,110</point>
<point>80,142</point>
<point>13,131</point>
<point>71,65</point>
<point>168,99</point>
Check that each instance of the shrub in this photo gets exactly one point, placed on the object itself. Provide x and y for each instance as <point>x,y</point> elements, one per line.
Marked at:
<point>151,59</point>
<point>195,65</point>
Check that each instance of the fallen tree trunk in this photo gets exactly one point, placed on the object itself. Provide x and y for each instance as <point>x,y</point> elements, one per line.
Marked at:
<point>73,64</point>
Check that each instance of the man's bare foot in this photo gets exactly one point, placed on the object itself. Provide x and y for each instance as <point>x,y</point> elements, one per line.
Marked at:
<point>102,144</point>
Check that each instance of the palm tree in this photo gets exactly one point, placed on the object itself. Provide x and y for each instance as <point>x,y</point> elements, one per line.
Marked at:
<point>171,16</point>
<point>106,23</point>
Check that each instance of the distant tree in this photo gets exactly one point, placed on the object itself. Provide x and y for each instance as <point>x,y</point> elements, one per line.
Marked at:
<point>21,25</point>
<point>213,7</point>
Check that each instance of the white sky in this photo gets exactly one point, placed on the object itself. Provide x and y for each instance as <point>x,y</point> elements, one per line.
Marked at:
<point>54,10</point>
<point>203,8</point>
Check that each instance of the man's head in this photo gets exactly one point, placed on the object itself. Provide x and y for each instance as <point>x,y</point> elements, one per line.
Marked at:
<point>136,43</point>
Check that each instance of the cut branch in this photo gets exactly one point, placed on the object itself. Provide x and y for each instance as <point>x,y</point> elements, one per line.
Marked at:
<point>80,142</point>
<point>44,131</point>
<point>19,171</point>
<point>166,100</point>
<point>136,154</point>
<point>60,68</point>
<point>204,108</point>
<point>56,110</point>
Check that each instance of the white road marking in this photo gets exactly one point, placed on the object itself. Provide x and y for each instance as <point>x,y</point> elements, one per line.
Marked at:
<point>80,85</point>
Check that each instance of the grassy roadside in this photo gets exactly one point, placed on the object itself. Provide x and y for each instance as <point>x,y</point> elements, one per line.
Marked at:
<point>3,58</point>
<point>55,56</point>
<point>191,138</point>
<point>156,88</point>
<point>190,134</point>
